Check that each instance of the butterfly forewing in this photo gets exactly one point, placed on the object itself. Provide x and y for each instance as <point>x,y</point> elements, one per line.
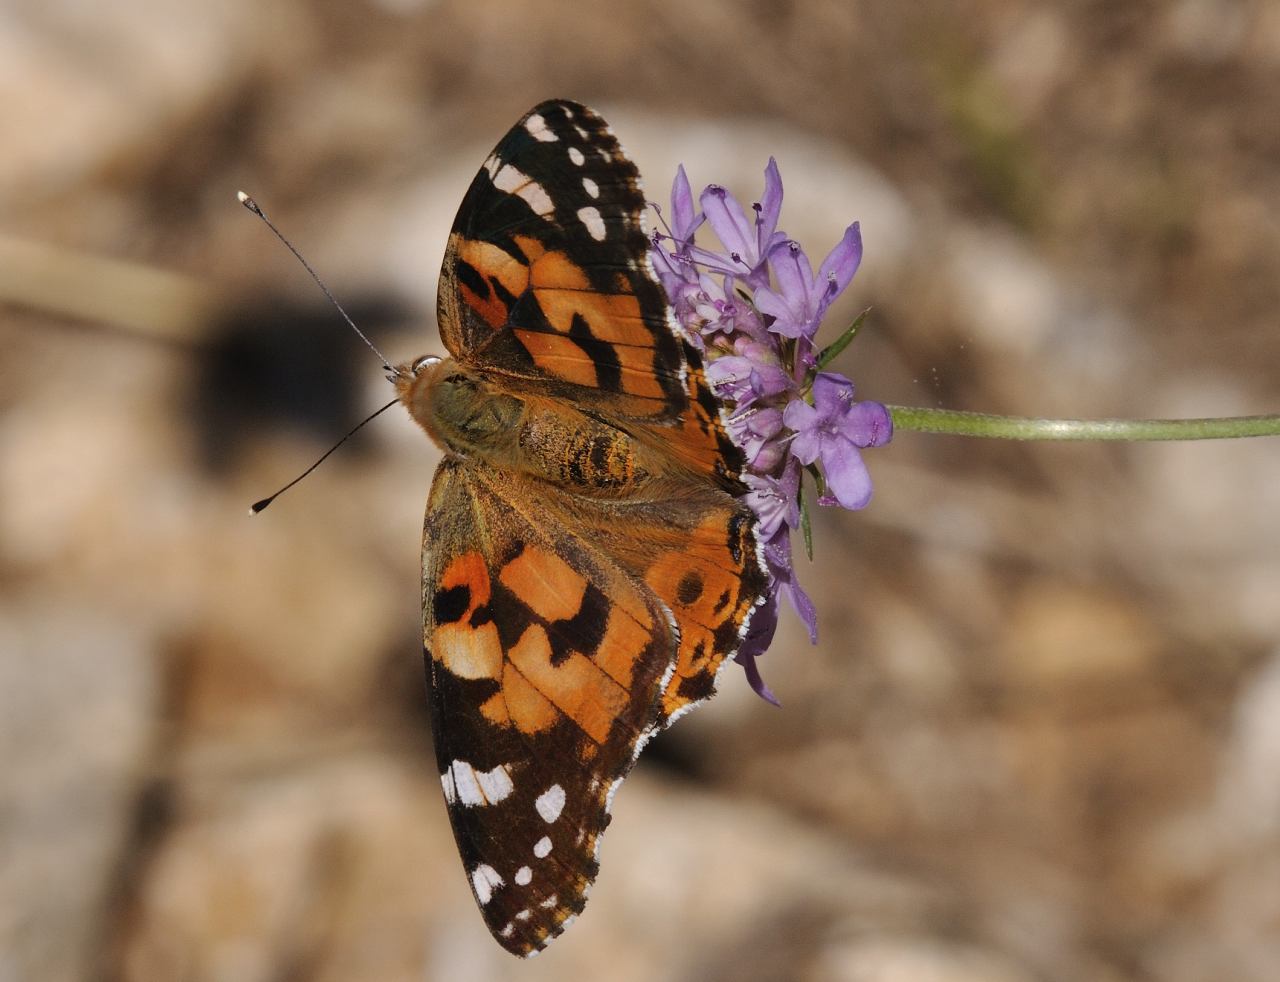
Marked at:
<point>546,274</point>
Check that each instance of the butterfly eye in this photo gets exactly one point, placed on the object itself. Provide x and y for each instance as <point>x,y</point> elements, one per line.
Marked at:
<point>426,361</point>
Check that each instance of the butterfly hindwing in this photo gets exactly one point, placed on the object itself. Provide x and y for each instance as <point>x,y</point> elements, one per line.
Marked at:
<point>546,660</point>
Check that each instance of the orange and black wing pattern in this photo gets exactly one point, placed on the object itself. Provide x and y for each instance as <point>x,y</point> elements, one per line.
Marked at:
<point>546,661</point>
<point>546,280</point>
<point>564,624</point>
<point>545,277</point>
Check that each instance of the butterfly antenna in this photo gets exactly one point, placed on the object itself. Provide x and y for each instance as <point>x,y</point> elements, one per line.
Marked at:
<point>259,506</point>
<point>253,206</point>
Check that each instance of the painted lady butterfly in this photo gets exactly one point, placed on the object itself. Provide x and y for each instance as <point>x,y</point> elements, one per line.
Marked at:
<point>588,565</point>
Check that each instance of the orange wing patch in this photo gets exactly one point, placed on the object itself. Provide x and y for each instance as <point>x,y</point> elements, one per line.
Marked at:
<point>560,356</point>
<point>576,687</point>
<point>624,643</point>
<point>466,651</point>
<point>545,583</point>
<point>519,703</point>
<point>578,317</point>
<point>480,292</point>
<point>712,586</point>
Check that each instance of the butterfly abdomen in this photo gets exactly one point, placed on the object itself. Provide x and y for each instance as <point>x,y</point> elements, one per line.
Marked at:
<point>471,415</point>
<point>580,453</point>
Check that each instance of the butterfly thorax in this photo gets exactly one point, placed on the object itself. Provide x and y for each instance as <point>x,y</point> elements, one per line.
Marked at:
<point>471,414</point>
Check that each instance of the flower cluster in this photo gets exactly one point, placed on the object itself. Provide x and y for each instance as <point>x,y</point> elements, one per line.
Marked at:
<point>753,310</point>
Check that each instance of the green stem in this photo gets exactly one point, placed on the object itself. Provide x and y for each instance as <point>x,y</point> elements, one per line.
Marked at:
<point>950,421</point>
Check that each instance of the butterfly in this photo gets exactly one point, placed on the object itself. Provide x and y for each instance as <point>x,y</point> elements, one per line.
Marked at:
<point>588,563</point>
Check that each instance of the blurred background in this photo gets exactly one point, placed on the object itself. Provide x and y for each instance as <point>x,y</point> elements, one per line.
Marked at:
<point>1040,736</point>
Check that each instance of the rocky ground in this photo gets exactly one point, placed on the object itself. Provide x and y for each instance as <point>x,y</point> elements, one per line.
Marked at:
<point>1039,738</point>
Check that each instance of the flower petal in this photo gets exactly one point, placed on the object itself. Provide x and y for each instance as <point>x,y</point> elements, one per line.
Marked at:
<point>803,605</point>
<point>684,222</point>
<point>769,502</point>
<point>728,221</point>
<point>807,446</point>
<point>846,474</point>
<point>747,659</point>
<point>768,380</point>
<point>764,622</point>
<point>787,320</point>
<point>730,377</point>
<point>842,261</point>
<point>868,424</point>
<point>832,394</point>
<point>770,208</point>
<point>799,415</point>
<point>794,274</point>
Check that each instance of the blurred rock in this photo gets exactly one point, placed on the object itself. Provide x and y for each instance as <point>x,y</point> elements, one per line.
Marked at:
<point>913,960</point>
<point>1037,738</point>
<point>78,699</point>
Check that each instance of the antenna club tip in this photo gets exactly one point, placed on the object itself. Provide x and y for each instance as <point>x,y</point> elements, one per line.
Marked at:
<point>259,506</point>
<point>248,202</point>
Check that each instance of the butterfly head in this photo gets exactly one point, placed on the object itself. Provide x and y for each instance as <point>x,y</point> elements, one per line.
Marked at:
<point>408,371</point>
<point>405,376</point>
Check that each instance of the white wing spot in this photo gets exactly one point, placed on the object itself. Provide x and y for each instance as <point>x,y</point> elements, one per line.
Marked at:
<point>485,879</point>
<point>576,156</point>
<point>542,848</point>
<point>586,137</point>
<point>465,785</point>
<point>590,217</point>
<point>592,188</point>
<point>496,784</point>
<point>524,915</point>
<point>550,803</point>
<point>518,183</point>
<point>507,931</point>
<point>550,902</point>
<point>523,876</point>
<point>538,129</point>
<point>471,787</point>
<point>538,199</point>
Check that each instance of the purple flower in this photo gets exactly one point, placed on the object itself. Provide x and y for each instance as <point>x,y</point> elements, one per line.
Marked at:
<point>759,431</point>
<point>774,500</point>
<point>754,373</point>
<point>764,622</point>
<point>684,221</point>
<point>675,269</point>
<point>760,359</point>
<point>832,430</point>
<point>678,278</point>
<point>717,309</point>
<point>777,555</point>
<point>801,299</point>
<point>747,242</point>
